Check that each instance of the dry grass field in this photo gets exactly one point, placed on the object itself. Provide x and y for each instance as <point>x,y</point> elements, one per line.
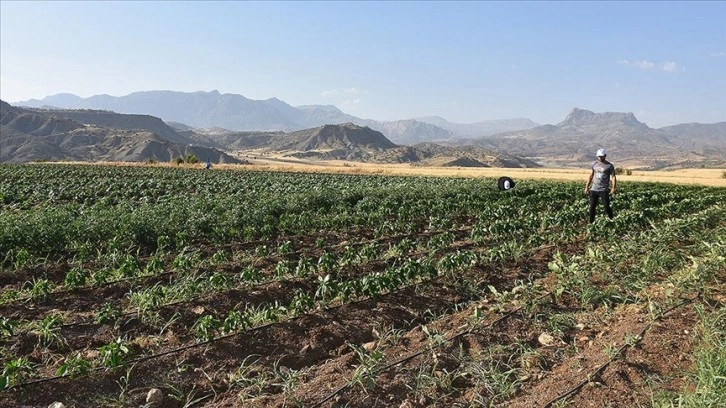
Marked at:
<point>707,177</point>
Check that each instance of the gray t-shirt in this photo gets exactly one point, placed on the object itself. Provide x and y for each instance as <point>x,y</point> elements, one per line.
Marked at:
<point>601,178</point>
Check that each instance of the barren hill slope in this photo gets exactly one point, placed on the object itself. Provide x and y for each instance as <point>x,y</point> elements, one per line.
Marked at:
<point>330,137</point>
<point>32,135</point>
<point>573,142</point>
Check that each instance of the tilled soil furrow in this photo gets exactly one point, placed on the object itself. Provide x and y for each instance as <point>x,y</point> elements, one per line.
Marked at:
<point>278,344</point>
<point>664,352</point>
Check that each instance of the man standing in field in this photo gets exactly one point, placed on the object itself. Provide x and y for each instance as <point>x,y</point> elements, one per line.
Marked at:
<point>598,185</point>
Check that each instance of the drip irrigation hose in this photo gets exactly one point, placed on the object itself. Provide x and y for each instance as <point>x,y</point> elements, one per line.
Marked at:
<point>430,348</point>
<point>619,351</point>
<point>190,346</point>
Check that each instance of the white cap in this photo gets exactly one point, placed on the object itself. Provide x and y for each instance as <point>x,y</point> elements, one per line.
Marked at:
<point>601,152</point>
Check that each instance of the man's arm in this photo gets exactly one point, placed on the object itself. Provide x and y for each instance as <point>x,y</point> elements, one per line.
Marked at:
<point>614,189</point>
<point>589,182</point>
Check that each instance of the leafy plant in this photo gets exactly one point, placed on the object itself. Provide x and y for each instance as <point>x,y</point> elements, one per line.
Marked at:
<point>283,268</point>
<point>74,366</point>
<point>285,248</point>
<point>205,327</point>
<point>76,277</point>
<point>286,378</point>
<point>304,268</point>
<point>114,354</point>
<point>47,330</point>
<point>235,321</point>
<point>365,372</point>
<point>191,159</point>
<point>39,288</point>
<point>301,303</point>
<point>109,314</point>
<point>220,281</point>
<point>15,371</point>
<point>252,275</point>
<point>22,258</point>
<point>7,327</point>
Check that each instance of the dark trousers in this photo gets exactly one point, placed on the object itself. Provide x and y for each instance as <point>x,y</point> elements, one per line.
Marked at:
<point>605,196</point>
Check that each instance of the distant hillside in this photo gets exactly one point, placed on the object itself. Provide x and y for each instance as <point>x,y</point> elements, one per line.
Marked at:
<point>22,121</point>
<point>355,143</point>
<point>203,119</point>
<point>409,131</point>
<point>464,162</point>
<point>468,156</point>
<point>479,129</point>
<point>33,135</point>
<point>630,142</point>
<point>330,137</point>
<point>237,113</point>
<point>425,154</point>
<point>690,134</point>
<point>201,109</point>
<point>128,122</point>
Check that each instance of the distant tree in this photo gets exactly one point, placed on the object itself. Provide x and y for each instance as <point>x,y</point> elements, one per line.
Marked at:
<point>192,159</point>
<point>178,160</point>
<point>620,170</point>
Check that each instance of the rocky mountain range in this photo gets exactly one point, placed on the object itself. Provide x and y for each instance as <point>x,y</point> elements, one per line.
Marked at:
<point>238,113</point>
<point>573,141</point>
<point>92,135</point>
<point>479,129</point>
<point>62,135</point>
<point>208,119</point>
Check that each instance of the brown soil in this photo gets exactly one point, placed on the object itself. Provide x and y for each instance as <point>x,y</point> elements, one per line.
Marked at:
<point>455,340</point>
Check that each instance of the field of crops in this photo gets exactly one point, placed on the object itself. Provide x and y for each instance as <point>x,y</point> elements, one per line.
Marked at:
<point>174,287</point>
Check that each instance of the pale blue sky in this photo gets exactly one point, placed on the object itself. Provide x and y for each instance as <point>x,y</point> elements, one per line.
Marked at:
<point>464,61</point>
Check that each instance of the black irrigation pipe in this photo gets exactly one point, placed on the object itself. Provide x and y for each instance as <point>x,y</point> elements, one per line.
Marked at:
<point>258,285</point>
<point>230,335</point>
<point>252,287</point>
<point>469,331</point>
<point>175,350</point>
<point>430,348</point>
<point>206,342</point>
<point>616,355</point>
<point>250,244</point>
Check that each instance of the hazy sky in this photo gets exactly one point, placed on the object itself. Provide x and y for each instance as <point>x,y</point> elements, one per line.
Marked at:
<point>464,61</point>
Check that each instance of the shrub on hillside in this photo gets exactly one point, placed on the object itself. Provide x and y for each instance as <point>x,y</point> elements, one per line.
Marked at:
<point>620,171</point>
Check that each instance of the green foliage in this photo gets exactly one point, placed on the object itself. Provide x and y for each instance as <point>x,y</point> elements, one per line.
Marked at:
<point>15,371</point>
<point>47,330</point>
<point>109,314</point>
<point>323,239</point>
<point>622,171</point>
<point>191,159</point>
<point>236,321</point>
<point>74,366</point>
<point>39,288</point>
<point>364,375</point>
<point>7,327</point>
<point>114,354</point>
<point>706,381</point>
<point>251,275</point>
<point>76,277</point>
<point>206,327</point>
<point>301,304</point>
